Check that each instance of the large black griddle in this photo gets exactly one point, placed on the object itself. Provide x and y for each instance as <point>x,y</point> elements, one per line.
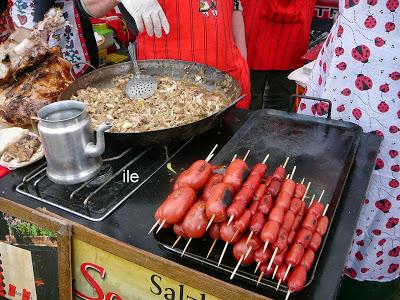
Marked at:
<point>322,150</point>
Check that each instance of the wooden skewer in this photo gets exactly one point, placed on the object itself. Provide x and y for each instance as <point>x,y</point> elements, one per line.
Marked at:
<point>272,257</point>
<point>212,247</point>
<point>312,200</point>
<point>154,226</point>
<point>286,162</point>
<point>287,295</point>
<point>325,210</point>
<point>287,176</point>
<point>178,238</point>
<point>275,270</point>
<point>223,253</point>
<point>209,156</point>
<point>248,252</point>
<point>187,245</point>
<point>237,267</point>
<point>265,159</point>
<point>260,277</point>
<point>230,220</point>
<point>320,197</point>
<point>246,155</point>
<point>278,285</point>
<point>210,222</point>
<point>302,181</point>
<point>161,226</point>
<point>287,271</point>
<point>265,246</point>
<point>294,170</point>
<point>258,265</point>
<point>305,193</point>
<point>250,236</point>
<point>234,157</point>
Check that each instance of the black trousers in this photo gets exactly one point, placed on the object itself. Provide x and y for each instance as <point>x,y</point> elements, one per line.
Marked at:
<point>271,89</point>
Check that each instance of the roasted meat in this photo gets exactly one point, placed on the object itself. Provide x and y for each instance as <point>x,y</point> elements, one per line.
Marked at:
<point>22,150</point>
<point>17,54</point>
<point>33,90</point>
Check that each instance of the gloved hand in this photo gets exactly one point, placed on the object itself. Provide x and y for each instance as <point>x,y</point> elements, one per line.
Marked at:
<point>149,14</point>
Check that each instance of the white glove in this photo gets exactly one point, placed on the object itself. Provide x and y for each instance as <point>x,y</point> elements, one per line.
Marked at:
<point>149,14</point>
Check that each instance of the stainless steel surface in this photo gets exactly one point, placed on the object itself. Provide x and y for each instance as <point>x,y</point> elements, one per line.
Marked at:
<point>68,139</point>
<point>140,86</point>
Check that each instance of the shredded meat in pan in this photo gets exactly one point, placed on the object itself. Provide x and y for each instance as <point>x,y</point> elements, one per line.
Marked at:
<point>176,102</point>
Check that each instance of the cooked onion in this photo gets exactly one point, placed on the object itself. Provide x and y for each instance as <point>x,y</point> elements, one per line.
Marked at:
<point>176,102</point>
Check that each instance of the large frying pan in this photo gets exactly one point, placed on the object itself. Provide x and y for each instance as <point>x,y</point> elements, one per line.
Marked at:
<point>212,79</point>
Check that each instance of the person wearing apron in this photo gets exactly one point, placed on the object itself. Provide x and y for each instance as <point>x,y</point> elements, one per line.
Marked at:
<point>200,31</point>
<point>358,69</point>
<point>77,41</point>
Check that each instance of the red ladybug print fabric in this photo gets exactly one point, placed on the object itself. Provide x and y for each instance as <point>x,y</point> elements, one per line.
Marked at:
<point>358,69</point>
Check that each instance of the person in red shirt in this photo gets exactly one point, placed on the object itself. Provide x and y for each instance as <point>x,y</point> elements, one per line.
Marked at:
<point>277,35</point>
<point>209,32</point>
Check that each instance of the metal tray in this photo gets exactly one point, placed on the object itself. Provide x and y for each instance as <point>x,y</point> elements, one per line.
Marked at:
<point>322,150</point>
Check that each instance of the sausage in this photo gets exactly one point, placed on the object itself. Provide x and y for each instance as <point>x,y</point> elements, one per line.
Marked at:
<point>219,200</point>
<point>295,205</point>
<point>277,214</point>
<point>227,233</point>
<point>292,235</point>
<point>317,209</point>
<point>196,176</point>
<point>303,209</point>
<point>270,231</point>
<point>213,231</point>
<point>281,272</point>
<point>266,204</point>
<point>303,237</point>
<point>280,257</point>
<point>240,248</point>
<point>255,242</point>
<point>236,209</point>
<point>195,222</point>
<point>267,272</point>
<point>308,259</point>
<point>294,255</point>
<point>243,222</point>
<point>259,256</point>
<point>289,187</point>
<point>297,222</point>
<point>214,179</point>
<point>260,192</point>
<point>279,174</point>
<point>253,208</point>
<point>297,279</point>
<point>310,222</point>
<point>322,225</point>
<point>274,188</point>
<point>316,241</point>
<point>236,173</point>
<point>245,194</point>
<point>177,204</point>
<point>257,223</point>
<point>288,220</point>
<point>283,200</point>
<point>268,181</point>
<point>259,169</point>
<point>178,229</point>
<point>282,240</point>
<point>300,190</point>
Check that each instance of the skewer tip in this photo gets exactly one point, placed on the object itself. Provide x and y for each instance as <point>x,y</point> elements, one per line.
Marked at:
<point>246,155</point>
<point>302,181</point>
<point>293,171</point>
<point>187,245</point>
<point>250,236</point>
<point>320,197</point>
<point>265,246</point>
<point>257,266</point>
<point>265,159</point>
<point>286,162</point>
<point>287,271</point>
<point>275,270</point>
<point>222,254</point>
<point>287,295</point>
<point>161,226</point>
<point>211,248</point>
<point>234,157</point>
<point>312,200</point>
<point>260,277</point>
<point>272,258</point>
<point>278,285</point>
<point>153,227</point>
<point>326,209</point>
<point>230,220</point>
<point>236,268</point>
<point>210,222</point>
<point>178,238</point>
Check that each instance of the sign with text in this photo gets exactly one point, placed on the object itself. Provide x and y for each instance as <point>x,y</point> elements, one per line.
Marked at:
<point>100,275</point>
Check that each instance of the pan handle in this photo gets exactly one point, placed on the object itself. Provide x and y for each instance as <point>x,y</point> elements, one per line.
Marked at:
<point>293,98</point>
<point>79,63</point>
<point>230,105</point>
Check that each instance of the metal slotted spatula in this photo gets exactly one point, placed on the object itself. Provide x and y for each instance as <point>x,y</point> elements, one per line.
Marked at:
<point>140,86</point>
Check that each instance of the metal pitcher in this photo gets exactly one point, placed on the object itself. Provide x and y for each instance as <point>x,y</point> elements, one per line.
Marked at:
<point>68,139</point>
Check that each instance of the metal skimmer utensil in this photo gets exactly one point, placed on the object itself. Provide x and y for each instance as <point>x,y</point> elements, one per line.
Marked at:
<point>140,86</point>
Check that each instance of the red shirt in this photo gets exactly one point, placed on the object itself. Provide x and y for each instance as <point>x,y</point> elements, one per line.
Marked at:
<point>202,37</point>
<point>277,32</point>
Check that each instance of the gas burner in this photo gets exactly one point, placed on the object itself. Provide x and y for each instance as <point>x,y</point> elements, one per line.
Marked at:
<point>100,196</point>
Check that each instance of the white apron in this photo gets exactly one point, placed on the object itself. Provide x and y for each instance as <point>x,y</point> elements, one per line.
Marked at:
<point>358,69</point>
<point>70,39</point>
